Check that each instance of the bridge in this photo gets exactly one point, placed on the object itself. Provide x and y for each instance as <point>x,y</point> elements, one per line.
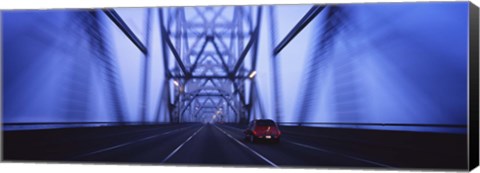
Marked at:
<point>179,85</point>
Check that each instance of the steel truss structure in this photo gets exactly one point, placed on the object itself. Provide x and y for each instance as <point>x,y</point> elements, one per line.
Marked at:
<point>210,75</point>
<point>210,59</point>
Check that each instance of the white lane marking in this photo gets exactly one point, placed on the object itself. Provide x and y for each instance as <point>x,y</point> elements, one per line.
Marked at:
<point>127,143</point>
<point>181,145</point>
<point>331,152</point>
<point>251,150</point>
<point>344,155</point>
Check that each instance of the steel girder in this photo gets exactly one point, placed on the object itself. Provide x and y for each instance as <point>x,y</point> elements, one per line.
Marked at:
<point>208,69</point>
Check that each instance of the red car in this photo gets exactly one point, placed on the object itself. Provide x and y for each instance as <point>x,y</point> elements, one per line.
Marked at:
<point>262,129</point>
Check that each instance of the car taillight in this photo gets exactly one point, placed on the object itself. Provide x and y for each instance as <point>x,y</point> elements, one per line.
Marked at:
<point>254,133</point>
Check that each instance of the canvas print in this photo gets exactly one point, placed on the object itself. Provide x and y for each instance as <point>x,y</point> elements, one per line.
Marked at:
<point>381,85</point>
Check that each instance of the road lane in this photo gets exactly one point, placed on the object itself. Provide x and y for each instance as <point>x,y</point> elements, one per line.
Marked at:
<point>288,153</point>
<point>153,150</point>
<point>248,148</point>
<point>108,149</point>
<point>211,147</point>
<point>181,145</point>
<point>65,144</point>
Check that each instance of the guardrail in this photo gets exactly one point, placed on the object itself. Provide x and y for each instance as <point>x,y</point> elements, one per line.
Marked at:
<point>79,123</point>
<point>57,125</point>
<point>53,125</point>
<point>376,124</point>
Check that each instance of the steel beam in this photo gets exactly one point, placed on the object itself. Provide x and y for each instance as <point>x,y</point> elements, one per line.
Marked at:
<point>255,46</point>
<point>277,99</point>
<point>113,15</point>
<point>227,100</point>
<point>211,95</point>
<point>199,54</point>
<point>259,100</point>
<point>175,54</point>
<point>225,67</point>
<point>306,19</point>
<point>165,65</point>
<point>166,39</point>
<point>212,77</point>
<point>161,98</point>
<point>236,90</point>
<point>253,38</point>
<point>146,70</point>
<point>191,100</point>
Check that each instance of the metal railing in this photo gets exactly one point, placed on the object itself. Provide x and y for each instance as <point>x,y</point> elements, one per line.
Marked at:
<point>376,124</point>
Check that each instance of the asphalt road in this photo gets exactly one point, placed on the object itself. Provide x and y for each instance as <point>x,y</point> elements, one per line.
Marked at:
<point>186,144</point>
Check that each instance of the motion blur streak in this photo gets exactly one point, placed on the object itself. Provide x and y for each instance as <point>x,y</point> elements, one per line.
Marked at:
<point>356,63</point>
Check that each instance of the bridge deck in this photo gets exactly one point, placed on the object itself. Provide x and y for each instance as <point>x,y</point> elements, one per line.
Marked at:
<point>223,144</point>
